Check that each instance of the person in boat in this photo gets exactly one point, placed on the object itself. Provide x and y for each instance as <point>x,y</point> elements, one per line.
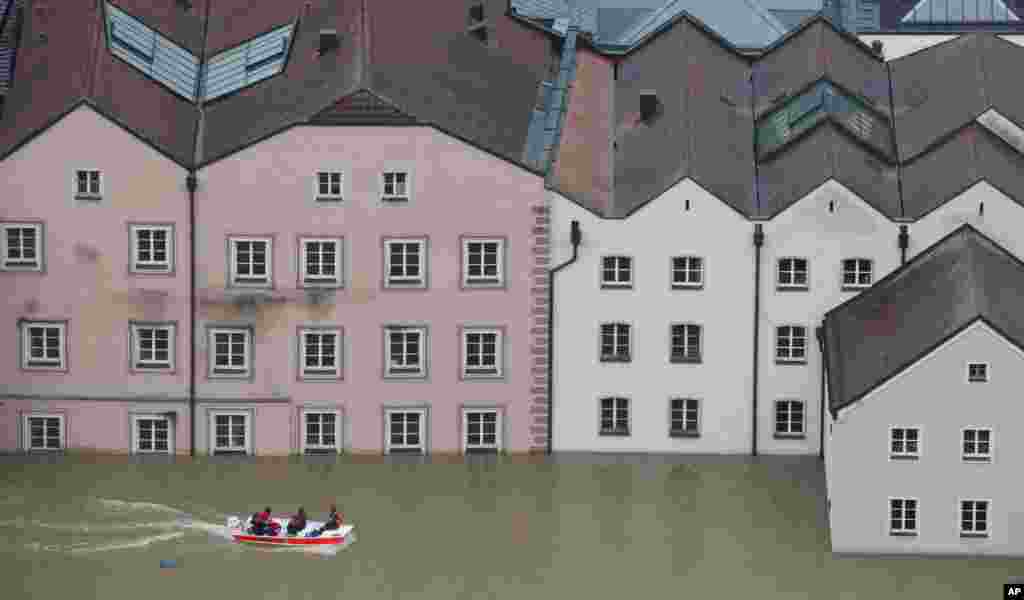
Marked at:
<point>262,524</point>
<point>333,521</point>
<point>297,522</point>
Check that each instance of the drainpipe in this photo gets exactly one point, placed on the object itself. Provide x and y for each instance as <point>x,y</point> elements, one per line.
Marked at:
<point>575,237</point>
<point>904,239</point>
<point>758,242</point>
<point>820,334</point>
<point>190,183</point>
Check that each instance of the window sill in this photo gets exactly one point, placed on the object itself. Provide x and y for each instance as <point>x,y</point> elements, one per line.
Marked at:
<point>405,285</point>
<point>977,459</point>
<point>226,452</point>
<point>610,359</point>
<point>22,267</point>
<point>903,533</point>
<point>330,199</point>
<point>792,288</point>
<point>45,450</point>
<point>616,286</point>
<point>405,375</point>
<point>685,360</point>
<point>977,381</point>
<point>903,457</point>
<point>687,286</point>
<point>320,451</point>
<point>614,433</point>
<point>684,434</point>
<point>974,536</point>
<point>482,375</point>
<point>791,361</point>
<point>252,283</point>
<point>483,284</point>
<point>790,436</point>
<point>44,367</point>
<point>89,197</point>
<point>416,451</point>
<point>321,284</point>
<point>854,288</point>
<point>320,376</point>
<point>394,199</point>
<point>482,451</point>
<point>229,375</point>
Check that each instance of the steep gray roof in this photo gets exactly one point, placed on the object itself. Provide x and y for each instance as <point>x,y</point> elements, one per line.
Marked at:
<point>961,278</point>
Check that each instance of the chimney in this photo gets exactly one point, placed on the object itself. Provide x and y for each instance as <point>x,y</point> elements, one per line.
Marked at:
<point>328,41</point>
<point>650,106</point>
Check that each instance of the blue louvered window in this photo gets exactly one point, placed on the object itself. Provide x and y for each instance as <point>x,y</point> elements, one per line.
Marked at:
<point>152,53</point>
<point>247,63</point>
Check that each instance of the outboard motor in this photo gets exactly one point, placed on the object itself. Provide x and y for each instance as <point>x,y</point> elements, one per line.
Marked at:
<point>234,523</point>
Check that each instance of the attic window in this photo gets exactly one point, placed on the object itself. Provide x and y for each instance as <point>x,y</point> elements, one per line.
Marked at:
<point>140,43</point>
<point>650,107</point>
<point>328,41</point>
<point>977,372</point>
<point>249,62</point>
<point>153,54</point>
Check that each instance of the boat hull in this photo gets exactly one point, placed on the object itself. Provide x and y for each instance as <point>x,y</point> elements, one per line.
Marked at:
<point>342,536</point>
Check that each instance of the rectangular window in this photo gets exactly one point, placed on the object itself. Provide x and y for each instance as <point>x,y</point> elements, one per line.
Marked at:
<point>320,353</point>
<point>405,432</point>
<point>481,353</point>
<point>482,430</point>
<point>977,372</point>
<point>88,184</point>
<point>44,432</point>
<point>251,261</point>
<point>615,342</point>
<point>684,419</point>
<point>974,518</point>
<point>905,442</point>
<point>902,516</point>
<point>482,262</point>
<point>230,352</point>
<point>616,272</point>
<point>793,273</point>
<point>405,349</point>
<point>152,248</point>
<point>153,435</point>
<point>22,247</point>
<point>791,344</point>
<point>230,433</point>
<point>685,344</point>
<point>44,345</point>
<point>405,263</point>
<point>789,419</point>
<point>857,273</point>
<point>320,261</point>
<point>152,347</point>
<point>977,445</point>
<point>328,186</point>
<point>687,272</point>
<point>322,431</point>
<point>396,186</point>
<point>614,416</point>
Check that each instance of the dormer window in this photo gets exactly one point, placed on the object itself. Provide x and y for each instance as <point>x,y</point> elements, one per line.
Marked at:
<point>153,54</point>
<point>252,61</point>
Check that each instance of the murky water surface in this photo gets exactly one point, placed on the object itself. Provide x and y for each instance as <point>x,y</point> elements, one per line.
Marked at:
<point>573,527</point>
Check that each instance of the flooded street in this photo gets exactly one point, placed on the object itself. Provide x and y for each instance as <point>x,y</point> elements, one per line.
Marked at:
<point>507,528</point>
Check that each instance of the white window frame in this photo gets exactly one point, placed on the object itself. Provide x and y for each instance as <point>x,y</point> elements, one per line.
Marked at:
<point>481,372</point>
<point>89,194</point>
<point>320,372</point>
<point>320,447</point>
<point>268,281</point>
<point>6,264</point>
<point>616,410</point>
<point>687,356</point>
<point>497,445</point>
<point>152,366</point>
<point>137,439</point>
<point>987,372</point>
<point>976,456</point>
<point>26,346</point>
<point>394,197</point>
<point>401,371</point>
<point>405,281</point>
<point>974,533</point>
<point>902,530</point>
<point>152,266</point>
<point>307,280</point>
<point>229,372</point>
<point>247,447</point>
<point>789,433</point>
<point>691,407</point>
<point>857,271</point>
<point>904,454</point>
<point>790,345</point>
<point>390,447</point>
<point>617,356</point>
<point>688,270</point>
<point>483,281</point>
<point>330,196</point>
<point>27,432</point>
<point>792,273</point>
<point>617,269</point>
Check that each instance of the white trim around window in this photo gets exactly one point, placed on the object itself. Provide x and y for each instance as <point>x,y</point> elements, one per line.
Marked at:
<point>613,417</point>
<point>152,347</point>
<point>321,261</point>
<point>87,184</point>
<point>684,417</point>
<point>790,419</point>
<point>481,430</point>
<point>329,186</point>
<point>321,431</point>
<point>405,430</point>
<point>44,345</point>
<point>974,517</point>
<point>320,353</point>
<point>235,433</point>
<point>251,261</point>
<point>405,352</point>
<point>791,344</point>
<point>856,273</point>
<point>904,516</point>
<point>978,372</point>
<point>482,352</point>
<point>904,442</point>
<point>616,272</point>
<point>395,186</point>
<point>152,248</point>
<point>793,273</point>
<point>230,352</point>
<point>483,262</point>
<point>686,272</point>
<point>976,444</point>
<point>405,263</point>
<point>44,432</point>
<point>22,247</point>
<point>152,434</point>
<point>614,342</point>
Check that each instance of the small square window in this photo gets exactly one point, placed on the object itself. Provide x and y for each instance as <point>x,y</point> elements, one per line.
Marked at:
<point>320,353</point>
<point>251,261</point>
<point>977,445</point>
<point>977,372</point>
<point>481,430</point>
<point>903,516</point>
<point>152,347</point>
<point>614,416</point>
<point>320,262</point>
<point>152,248</point>
<point>792,274</point>
<point>153,434</point>
<point>395,186</point>
<point>44,346</point>
<point>328,186</point>
<point>405,351</point>
<point>405,432</point>
<point>230,352</point>
<point>791,344</point>
<point>482,262</point>
<point>22,247</point>
<point>88,184</point>
<point>616,272</point>
<point>322,430</point>
<point>405,263</point>
<point>687,272</point>
<point>905,442</point>
<point>44,432</point>
<point>685,343</point>
<point>789,419</point>
<point>482,353</point>
<point>857,273</point>
<point>615,342</point>
<point>230,433</point>
<point>974,518</point>
<point>684,418</point>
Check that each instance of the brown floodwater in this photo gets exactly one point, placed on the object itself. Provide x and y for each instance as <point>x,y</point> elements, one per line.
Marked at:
<point>572,526</point>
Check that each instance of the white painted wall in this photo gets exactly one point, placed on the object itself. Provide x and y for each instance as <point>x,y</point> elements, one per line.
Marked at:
<point>652,235</point>
<point>1002,220</point>
<point>901,44</point>
<point>934,395</point>
<point>807,229</point>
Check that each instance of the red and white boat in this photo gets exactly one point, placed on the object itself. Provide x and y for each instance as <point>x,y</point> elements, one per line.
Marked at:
<point>341,537</point>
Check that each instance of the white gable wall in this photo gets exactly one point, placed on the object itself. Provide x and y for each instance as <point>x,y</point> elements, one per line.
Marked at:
<point>1001,220</point>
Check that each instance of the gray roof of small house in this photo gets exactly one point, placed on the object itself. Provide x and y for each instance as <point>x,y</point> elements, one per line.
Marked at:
<point>876,335</point>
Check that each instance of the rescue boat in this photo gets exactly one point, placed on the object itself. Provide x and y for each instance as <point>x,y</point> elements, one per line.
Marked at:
<point>343,536</point>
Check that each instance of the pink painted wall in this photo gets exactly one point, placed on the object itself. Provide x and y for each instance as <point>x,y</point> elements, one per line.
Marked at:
<point>456,190</point>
